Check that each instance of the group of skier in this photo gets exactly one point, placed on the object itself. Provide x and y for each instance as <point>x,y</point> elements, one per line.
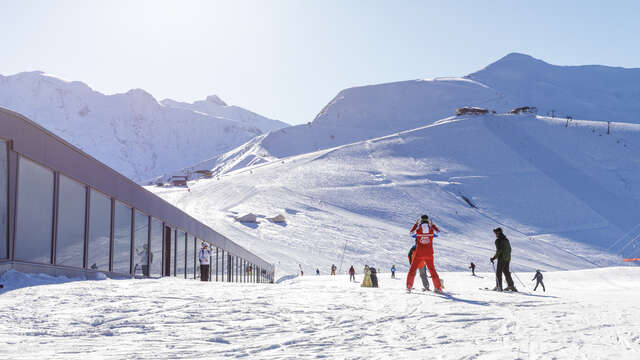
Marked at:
<point>421,258</point>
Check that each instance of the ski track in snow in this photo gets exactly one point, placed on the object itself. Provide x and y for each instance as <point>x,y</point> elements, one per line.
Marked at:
<point>586,314</point>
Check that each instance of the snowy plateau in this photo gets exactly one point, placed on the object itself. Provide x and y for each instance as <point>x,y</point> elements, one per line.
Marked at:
<point>564,184</point>
<point>132,132</point>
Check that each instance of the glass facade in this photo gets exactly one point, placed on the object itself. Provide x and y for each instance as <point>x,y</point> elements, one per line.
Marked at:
<point>156,247</point>
<point>99,231</point>
<point>180,254</point>
<point>191,256</point>
<point>141,245</point>
<point>121,238</point>
<point>4,205</point>
<point>34,223</point>
<point>72,198</point>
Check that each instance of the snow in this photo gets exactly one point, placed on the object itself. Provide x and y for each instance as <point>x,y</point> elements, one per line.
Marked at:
<point>130,132</point>
<point>586,314</point>
<point>566,196</point>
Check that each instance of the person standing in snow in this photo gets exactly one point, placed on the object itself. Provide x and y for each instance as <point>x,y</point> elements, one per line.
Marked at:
<point>352,274</point>
<point>425,230</point>
<point>333,269</point>
<point>317,271</point>
<point>374,277</point>
<point>538,278</point>
<point>366,281</point>
<point>393,271</point>
<point>503,254</point>
<point>143,259</point>
<point>204,255</point>
<point>473,269</point>
<point>422,270</point>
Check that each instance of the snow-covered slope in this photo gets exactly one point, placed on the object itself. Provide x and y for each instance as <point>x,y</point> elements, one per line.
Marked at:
<point>566,194</point>
<point>586,314</point>
<point>586,92</point>
<point>214,106</point>
<point>130,132</point>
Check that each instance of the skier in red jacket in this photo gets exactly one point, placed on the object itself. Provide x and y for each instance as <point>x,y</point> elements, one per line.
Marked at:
<point>424,231</point>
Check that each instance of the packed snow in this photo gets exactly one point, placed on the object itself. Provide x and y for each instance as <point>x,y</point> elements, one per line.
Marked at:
<point>586,314</point>
<point>565,192</point>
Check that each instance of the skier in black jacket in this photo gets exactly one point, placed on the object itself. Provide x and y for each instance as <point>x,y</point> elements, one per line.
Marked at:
<point>538,277</point>
<point>503,254</point>
<point>374,277</point>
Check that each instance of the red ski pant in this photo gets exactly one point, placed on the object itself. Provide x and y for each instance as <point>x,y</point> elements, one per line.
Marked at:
<point>418,263</point>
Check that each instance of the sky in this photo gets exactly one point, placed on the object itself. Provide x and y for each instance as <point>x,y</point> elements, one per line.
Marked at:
<point>287,59</point>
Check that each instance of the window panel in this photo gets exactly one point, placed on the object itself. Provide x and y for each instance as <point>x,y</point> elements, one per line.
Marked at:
<point>180,254</point>
<point>156,247</point>
<point>71,209</point>
<point>190,256</point>
<point>99,231</point>
<point>141,245</point>
<point>121,238</point>
<point>4,213</point>
<point>34,223</point>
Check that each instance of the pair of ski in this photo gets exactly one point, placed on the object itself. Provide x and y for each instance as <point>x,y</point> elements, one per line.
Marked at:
<point>503,291</point>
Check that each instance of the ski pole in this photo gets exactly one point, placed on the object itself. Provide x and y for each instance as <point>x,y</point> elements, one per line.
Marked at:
<point>523,285</point>
<point>494,271</point>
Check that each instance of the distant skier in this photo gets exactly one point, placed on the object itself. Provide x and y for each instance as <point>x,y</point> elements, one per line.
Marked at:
<point>333,269</point>
<point>374,277</point>
<point>503,254</point>
<point>366,281</point>
<point>352,274</point>
<point>317,271</point>
<point>204,256</point>
<point>422,270</point>
<point>425,231</point>
<point>538,278</point>
<point>393,271</point>
<point>473,269</point>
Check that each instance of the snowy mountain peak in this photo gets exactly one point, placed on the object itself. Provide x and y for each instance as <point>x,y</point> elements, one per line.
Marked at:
<point>216,100</point>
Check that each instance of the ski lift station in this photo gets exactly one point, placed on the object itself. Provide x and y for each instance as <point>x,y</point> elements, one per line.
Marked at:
<point>62,212</point>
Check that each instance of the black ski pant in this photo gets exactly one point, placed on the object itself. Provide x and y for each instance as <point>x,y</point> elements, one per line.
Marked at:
<point>352,277</point>
<point>393,274</point>
<point>423,277</point>
<point>204,272</point>
<point>503,268</point>
<point>539,282</point>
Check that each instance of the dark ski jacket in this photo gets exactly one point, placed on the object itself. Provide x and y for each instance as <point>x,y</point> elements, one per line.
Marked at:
<point>537,276</point>
<point>503,248</point>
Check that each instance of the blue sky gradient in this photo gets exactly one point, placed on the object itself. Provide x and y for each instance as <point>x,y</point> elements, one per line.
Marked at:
<point>287,59</point>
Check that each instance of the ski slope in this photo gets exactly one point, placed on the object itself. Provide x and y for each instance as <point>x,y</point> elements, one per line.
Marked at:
<point>586,314</point>
<point>565,193</point>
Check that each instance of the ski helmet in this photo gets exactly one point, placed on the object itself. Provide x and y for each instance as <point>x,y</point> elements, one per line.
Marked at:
<point>424,218</point>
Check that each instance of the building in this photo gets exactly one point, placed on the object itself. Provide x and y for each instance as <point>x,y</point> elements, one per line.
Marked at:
<point>62,212</point>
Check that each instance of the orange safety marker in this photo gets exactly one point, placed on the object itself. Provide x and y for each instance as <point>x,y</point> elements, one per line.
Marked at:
<point>629,260</point>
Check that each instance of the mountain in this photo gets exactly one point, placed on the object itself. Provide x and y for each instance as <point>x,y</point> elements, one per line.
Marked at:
<point>566,194</point>
<point>131,132</point>
<point>593,92</point>
<point>586,92</point>
<point>214,106</point>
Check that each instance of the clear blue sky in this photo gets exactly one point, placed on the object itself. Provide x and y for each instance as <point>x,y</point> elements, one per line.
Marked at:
<point>287,59</point>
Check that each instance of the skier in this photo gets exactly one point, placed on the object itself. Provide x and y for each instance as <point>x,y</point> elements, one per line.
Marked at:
<point>366,281</point>
<point>142,259</point>
<point>473,269</point>
<point>393,271</point>
<point>422,270</point>
<point>317,271</point>
<point>503,254</point>
<point>204,256</point>
<point>374,277</point>
<point>538,278</point>
<point>333,269</point>
<point>424,229</point>
<point>352,274</point>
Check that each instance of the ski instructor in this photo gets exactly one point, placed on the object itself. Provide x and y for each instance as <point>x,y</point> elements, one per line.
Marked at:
<point>424,231</point>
